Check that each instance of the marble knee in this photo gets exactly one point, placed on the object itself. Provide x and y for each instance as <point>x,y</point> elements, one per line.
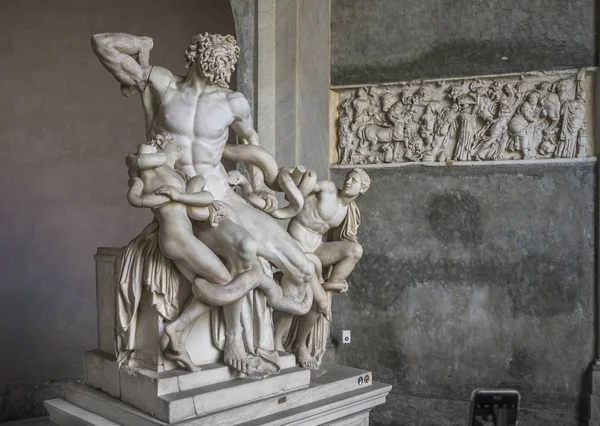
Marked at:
<point>246,248</point>
<point>356,251</point>
<point>321,306</point>
<point>306,271</point>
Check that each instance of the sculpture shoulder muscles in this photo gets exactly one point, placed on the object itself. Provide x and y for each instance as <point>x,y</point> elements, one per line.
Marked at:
<point>239,105</point>
<point>159,79</point>
<point>325,186</point>
<point>242,122</point>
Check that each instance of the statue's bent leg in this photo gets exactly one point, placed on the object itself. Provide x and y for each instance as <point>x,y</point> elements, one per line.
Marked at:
<point>178,332</point>
<point>184,248</point>
<point>275,244</point>
<point>343,256</point>
<point>192,258</point>
<point>231,241</point>
<point>300,347</point>
<point>238,247</point>
<point>279,248</point>
<point>282,321</point>
<point>208,276</point>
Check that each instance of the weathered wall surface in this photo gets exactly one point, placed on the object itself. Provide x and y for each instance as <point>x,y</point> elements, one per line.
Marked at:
<point>478,276</point>
<point>65,130</point>
<point>390,40</point>
<point>472,276</point>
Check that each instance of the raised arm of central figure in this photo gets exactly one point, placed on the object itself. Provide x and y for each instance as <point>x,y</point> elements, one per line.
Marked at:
<point>126,57</point>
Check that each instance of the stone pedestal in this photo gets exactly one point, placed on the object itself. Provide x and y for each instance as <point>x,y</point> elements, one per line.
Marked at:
<point>592,417</point>
<point>335,395</point>
<point>150,328</point>
<point>149,390</point>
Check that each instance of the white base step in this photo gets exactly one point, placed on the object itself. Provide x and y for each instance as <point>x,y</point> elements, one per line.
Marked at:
<point>341,396</point>
<point>175,395</point>
<point>66,414</point>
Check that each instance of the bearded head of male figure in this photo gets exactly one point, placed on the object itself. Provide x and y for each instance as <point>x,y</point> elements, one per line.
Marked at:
<point>214,56</point>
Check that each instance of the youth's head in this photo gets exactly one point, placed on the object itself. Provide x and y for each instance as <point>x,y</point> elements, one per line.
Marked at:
<point>164,143</point>
<point>356,182</point>
<point>214,55</point>
<point>159,151</point>
<point>147,157</point>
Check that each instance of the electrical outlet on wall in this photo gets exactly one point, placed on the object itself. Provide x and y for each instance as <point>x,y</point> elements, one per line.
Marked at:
<point>346,338</point>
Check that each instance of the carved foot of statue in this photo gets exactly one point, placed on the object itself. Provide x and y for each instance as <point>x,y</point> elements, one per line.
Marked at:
<point>183,358</point>
<point>175,349</point>
<point>305,360</point>
<point>174,335</point>
<point>235,355</point>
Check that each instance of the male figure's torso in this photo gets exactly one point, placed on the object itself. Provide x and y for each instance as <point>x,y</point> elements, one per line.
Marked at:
<point>321,212</point>
<point>198,119</point>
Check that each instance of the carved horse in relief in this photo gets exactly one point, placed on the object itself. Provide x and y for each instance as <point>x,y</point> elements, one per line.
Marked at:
<point>372,134</point>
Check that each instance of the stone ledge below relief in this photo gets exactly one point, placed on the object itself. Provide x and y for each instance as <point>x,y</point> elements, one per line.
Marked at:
<point>537,117</point>
<point>451,163</point>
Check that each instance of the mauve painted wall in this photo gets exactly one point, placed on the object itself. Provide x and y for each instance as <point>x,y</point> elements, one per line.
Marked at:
<point>65,130</point>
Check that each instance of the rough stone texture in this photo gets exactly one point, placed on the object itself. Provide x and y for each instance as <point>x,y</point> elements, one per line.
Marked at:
<point>391,40</point>
<point>25,399</point>
<point>102,372</point>
<point>473,277</point>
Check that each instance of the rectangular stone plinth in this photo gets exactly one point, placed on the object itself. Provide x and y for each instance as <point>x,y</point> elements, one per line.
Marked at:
<point>150,323</point>
<point>102,372</point>
<point>106,293</point>
<point>182,404</point>
<point>208,399</point>
<point>141,386</point>
<point>593,400</point>
<point>339,396</point>
<point>177,394</point>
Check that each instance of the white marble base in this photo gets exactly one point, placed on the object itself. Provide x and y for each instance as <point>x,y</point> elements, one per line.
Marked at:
<point>340,396</point>
<point>175,395</point>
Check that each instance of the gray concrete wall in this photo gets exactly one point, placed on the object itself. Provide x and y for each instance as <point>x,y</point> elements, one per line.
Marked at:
<point>391,40</point>
<point>473,277</point>
<point>65,130</point>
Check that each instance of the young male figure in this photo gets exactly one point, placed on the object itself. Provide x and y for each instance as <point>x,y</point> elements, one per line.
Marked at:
<point>327,209</point>
<point>198,109</point>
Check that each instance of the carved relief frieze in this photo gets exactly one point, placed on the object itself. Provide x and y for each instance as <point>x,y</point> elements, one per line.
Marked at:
<point>532,116</point>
